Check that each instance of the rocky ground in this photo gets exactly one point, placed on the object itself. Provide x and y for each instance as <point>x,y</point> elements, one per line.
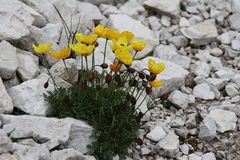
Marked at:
<point>199,42</point>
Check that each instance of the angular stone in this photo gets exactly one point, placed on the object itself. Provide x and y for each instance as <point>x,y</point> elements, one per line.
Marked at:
<point>8,60</point>
<point>43,129</point>
<point>173,76</point>
<point>6,104</point>
<point>207,130</point>
<point>169,145</point>
<point>5,143</point>
<point>69,153</point>
<point>209,156</point>
<point>201,33</point>
<point>231,89</point>
<point>15,18</point>
<point>169,8</point>
<point>234,21</point>
<point>9,83</point>
<point>28,96</point>
<point>179,99</point>
<point>132,8</point>
<point>203,91</point>
<point>156,134</point>
<point>225,120</point>
<point>202,70</point>
<point>137,28</point>
<point>68,73</point>
<point>154,23</point>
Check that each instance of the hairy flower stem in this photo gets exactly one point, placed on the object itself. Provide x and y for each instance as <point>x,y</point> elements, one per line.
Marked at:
<point>135,54</point>
<point>49,73</point>
<point>105,50</point>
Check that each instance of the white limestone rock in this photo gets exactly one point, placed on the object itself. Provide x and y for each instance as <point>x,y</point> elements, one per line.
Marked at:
<point>169,145</point>
<point>179,99</point>
<point>203,91</point>
<point>137,28</point>
<point>225,120</point>
<point>9,83</point>
<point>217,82</point>
<point>231,89</point>
<point>184,22</point>
<point>69,153</point>
<point>234,21</point>
<point>184,148</point>
<point>227,106</point>
<point>235,6</point>
<point>6,104</point>
<point>194,156</point>
<point>202,70</point>
<point>15,18</point>
<point>69,74</point>
<point>169,8</point>
<point>154,23</point>
<point>201,33</point>
<point>28,96</point>
<point>168,53</point>
<point>207,129</point>
<point>132,8</point>
<point>66,131</point>
<point>178,41</point>
<point>156,134</point>
<point>209,156</point>
<point>8,60</point>
<point>5,143</point>
<point>173,76</point>
<point>235,44</point>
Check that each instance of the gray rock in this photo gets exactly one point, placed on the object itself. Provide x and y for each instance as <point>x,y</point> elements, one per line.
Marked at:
<point>9,83</point>
<point>154,23</point>
<point>234,21</point>
<point>8,60</point>
<point>137,28</point>
<point>217,82</point>
<point>202,70</point>
<point>169,145</point>
<point>173,76</point>
<point>203,91</point>
<point>216,63</point>
<point>179,99</point>
<point>169,8</point>
<point>8,156</point>
<point>193,156</point>
<point>207,130</point>
<point>6,105</point>
<point>28,96</point>
<point>27,69</point>
<point>201,33</point>
<point>166,21</point>
<point>231,89</point>
<point>225,120</point>
<point>66,131</point>
<point>168,53</point>
<point>178,41</point>
<point>132,8</point>
<point>69,153</point>
<point>235,44</point>
<point>209,156</point>
<point>16,17</point>
<point>5,143</point>
<point>145,151</point>
<point>156,134</point>
<point>69,74</point>
<point>235,6</point>
<point>184,22</point>
<point>108,9</point>
<point>184,148</point>
<point>216,52</point>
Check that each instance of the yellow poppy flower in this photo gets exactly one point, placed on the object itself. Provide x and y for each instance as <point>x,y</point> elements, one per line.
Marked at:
<point>62,54</point>
<point>112,34</point>
<point>156,83</point>
<point>86,39</point>
<point>100,30</point>
<point>154,67</point>
<point>42,48</point>
<point>120,43</point>
<point>82,49</point>
<point>127,35</point>
<point>124,56</point>
<point>138,45</point>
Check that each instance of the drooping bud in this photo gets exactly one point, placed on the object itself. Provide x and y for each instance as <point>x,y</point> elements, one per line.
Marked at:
<point>164,96</point>
<point>46,85</point>
<point>152,77</point>
<point>141,75</point>
<point>104,65</point>
<point>108,78</point>
<point>131,70</point>
<point>139,141</point>
<point>90,76</point>
<point>149,90</point>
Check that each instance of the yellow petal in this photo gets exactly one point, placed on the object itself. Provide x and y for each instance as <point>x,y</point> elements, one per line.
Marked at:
<point>138,45</point>
<point>155,68</point>
<point>156,83</point>
<point>42,48</point>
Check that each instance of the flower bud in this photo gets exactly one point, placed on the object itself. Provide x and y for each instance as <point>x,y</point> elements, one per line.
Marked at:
<point>84,86</point>
<point>149,90</point>
<point>104,65</point>
<point>90,76</point>
<point>108,78</point>
<point>46,85</point>
<point>139,141</point>
<point>141,75</point>
<point>118,78</point>
<point>131,70</point>
<point>164,96</point>
<point>152,77</point>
